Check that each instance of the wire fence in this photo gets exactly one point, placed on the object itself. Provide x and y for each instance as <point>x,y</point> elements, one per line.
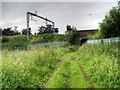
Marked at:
<point>14,47</point>
<point>33,46</point>
<point>55,44</point>
<point>51,44</point>
<point>105,41</point>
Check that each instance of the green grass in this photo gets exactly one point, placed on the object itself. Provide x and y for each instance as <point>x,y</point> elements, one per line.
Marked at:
<point>77,80</point>
<point>14,40</point>
<point>101,64</point>
<point>29,69</point>
<point>32,69</point>
<point>42,38</point>
<point>68,75</point>
<point>59,80</point>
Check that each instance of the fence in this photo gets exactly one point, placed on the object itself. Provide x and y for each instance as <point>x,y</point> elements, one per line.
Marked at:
<point>56,44</point>
<point>105,41</point>
<point>51,44</point>
<point>39,45</point>
<point>14,47</point>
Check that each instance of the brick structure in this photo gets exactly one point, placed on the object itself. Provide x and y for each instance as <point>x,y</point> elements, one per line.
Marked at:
<point>79,34</point>
<point>82,33</point>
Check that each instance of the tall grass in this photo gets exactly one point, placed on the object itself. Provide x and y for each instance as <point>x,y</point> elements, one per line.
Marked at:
<point>44,38</point>
<point>14,40</point>
<point>101,64</point>
<point>29,69</point>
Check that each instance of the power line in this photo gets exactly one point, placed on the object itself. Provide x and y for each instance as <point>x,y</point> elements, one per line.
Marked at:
<point>35,15</point>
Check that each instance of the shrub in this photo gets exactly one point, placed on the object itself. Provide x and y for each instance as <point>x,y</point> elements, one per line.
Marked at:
<point>111,24</point>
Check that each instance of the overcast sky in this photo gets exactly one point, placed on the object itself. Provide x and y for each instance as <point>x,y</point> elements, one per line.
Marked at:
<point>82,15</point>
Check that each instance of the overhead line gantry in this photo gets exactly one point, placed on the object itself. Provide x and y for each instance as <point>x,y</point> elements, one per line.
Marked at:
<point>35,14</point>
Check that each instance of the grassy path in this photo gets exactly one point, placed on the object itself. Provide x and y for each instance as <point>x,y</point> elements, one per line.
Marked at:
<point>77,80</point>
<point>90,66</point>
<point>59,79</point>
<point>69,75</point>
<point>54,71</point>
<point>85,76</point>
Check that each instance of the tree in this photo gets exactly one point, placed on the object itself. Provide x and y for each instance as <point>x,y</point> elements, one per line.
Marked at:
<point>110,27</point>
<point>16,31</point>
<point>41,30</point>
<point>56,30</point>
<point>7,31</point>
<point>48,29</point>
<point>69,28</point>
<point>74,28</point>
<point>24,31</point>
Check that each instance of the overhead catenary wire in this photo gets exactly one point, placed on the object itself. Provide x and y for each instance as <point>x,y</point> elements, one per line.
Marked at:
<point>35,15</point>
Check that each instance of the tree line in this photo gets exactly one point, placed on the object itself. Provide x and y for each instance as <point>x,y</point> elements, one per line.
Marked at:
<point>109,27</point>
<point>41,30</point>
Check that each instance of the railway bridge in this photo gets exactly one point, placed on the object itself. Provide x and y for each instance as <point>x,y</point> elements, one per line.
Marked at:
<point>79,34</point>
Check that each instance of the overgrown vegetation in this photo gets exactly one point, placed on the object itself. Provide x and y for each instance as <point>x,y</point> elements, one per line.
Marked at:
<point>9,32</point>
<point>95,36</point>
<point>42,38</point>
<point>48,29</point>
<point>68,75</point>
<point>33,68</point>
<point>101,64</point>
<point>110,26</point>
<point>29,69</point>
<point>14,40</point>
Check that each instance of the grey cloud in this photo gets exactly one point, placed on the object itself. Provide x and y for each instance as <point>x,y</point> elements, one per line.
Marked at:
<point>62,13</point>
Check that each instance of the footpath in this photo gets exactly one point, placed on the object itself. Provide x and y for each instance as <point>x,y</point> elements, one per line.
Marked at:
<point>69,74</point>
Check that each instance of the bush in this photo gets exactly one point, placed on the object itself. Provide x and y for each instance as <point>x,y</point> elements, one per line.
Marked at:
<point>111,24</point>
<point>95,36</point>
<point>44,38</point>
<point>14,40</point>
<point>73,48</point>
<point>5,39</point>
